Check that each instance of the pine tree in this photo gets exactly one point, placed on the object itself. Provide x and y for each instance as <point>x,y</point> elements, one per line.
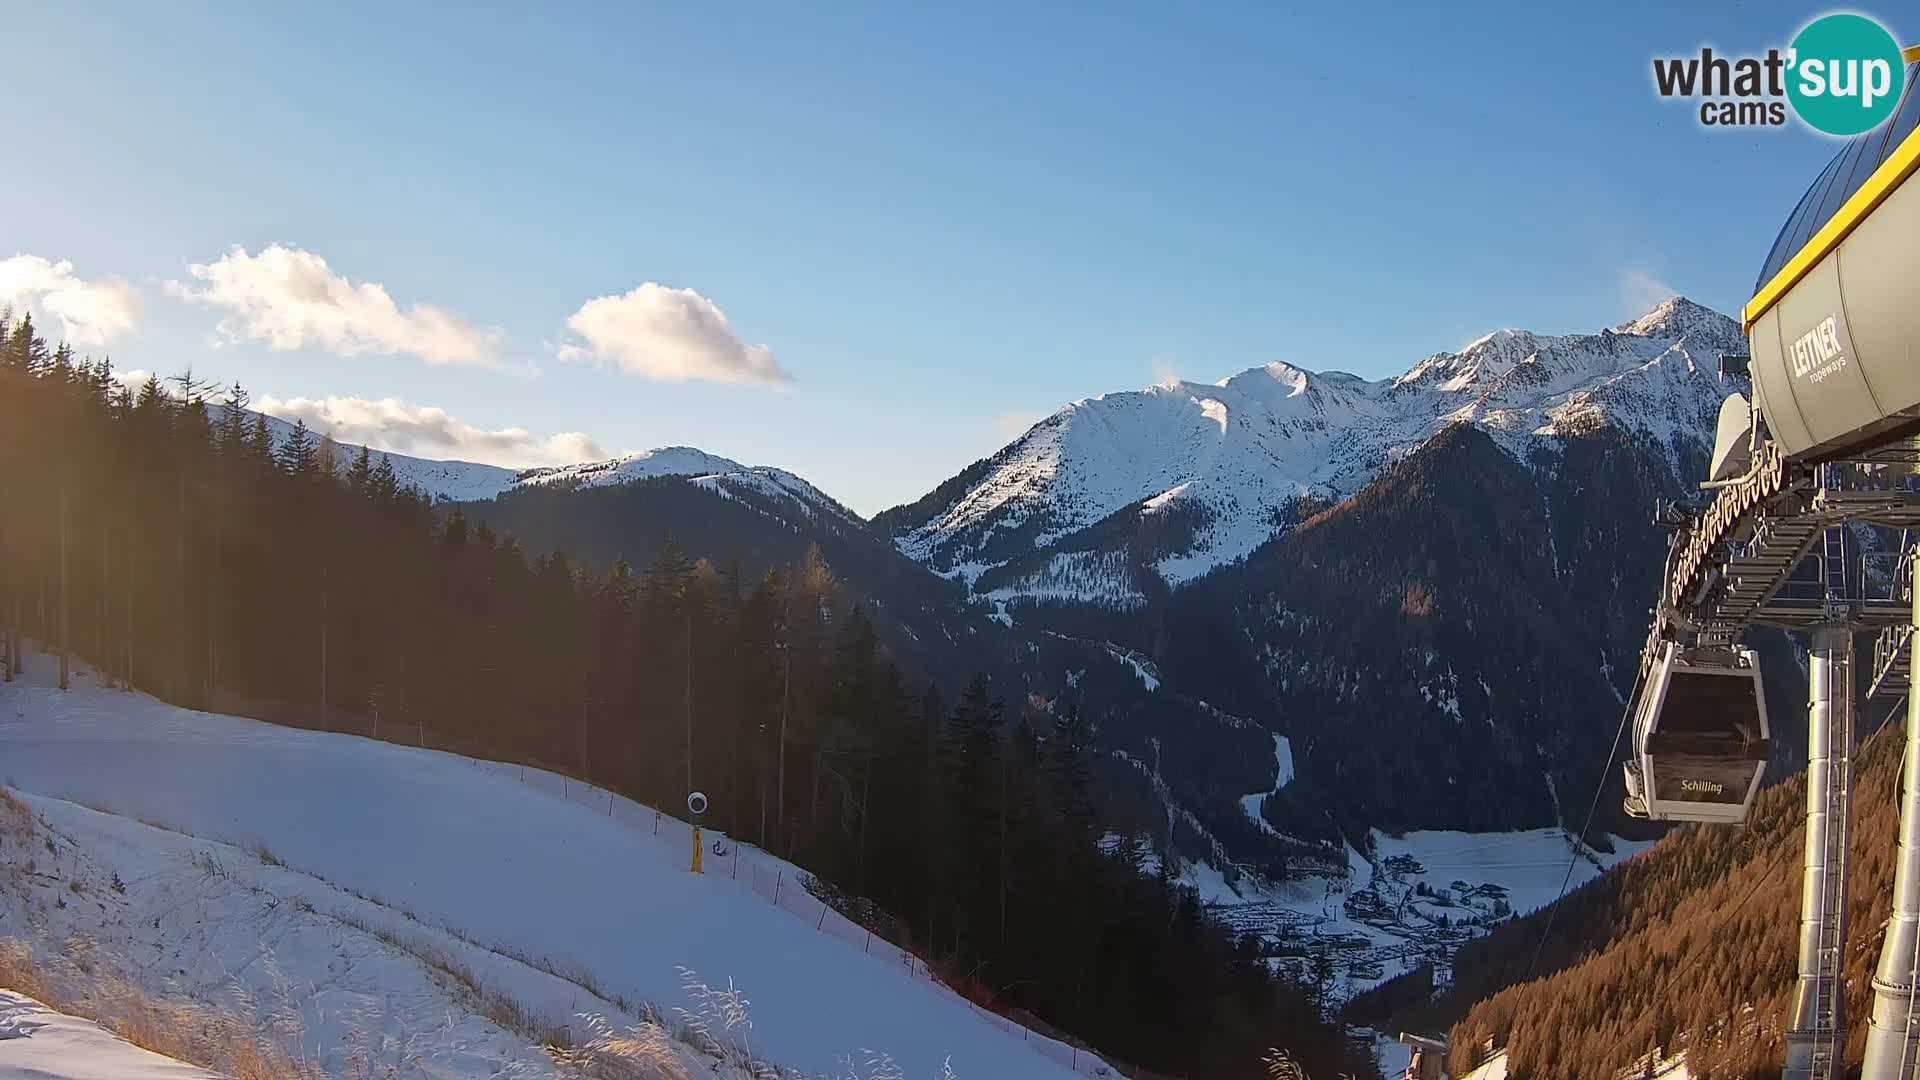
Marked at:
<point>233,421</point>
<point>26,352</point>
<point>62,371</point>
<point>295,456</point>
<point>260,441</point>
<point>1069,760</point>
<point>973,771</point>
<point>103,385</point>
<point>385,483</point>
<point>360,475</point>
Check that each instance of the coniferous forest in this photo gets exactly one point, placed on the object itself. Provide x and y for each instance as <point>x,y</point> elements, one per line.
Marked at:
<point>164,536</point>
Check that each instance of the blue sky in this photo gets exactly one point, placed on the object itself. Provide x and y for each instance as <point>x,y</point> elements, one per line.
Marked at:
<point>938,222</point>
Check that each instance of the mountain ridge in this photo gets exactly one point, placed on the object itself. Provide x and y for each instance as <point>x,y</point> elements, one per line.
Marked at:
<point>1120,559</point>
<point>455,481</point>
<point>1239,454</point>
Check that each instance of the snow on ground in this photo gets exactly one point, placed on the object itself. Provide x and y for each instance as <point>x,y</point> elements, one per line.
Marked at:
<point>1142,669</point>
<point>38,1043</point>
<point>1494,1068</point>
<point>1371,920</point>
<point>1663,1068</point>
<point>1282,761</point>
<point>1673,1068</point>
<point>476,856</point>
<point>214,923</point>
<point>1529,865</point>
<point>1392,1055</point>
<point>1283,773</point>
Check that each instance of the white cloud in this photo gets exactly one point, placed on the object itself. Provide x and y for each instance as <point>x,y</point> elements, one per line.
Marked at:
<point>1010,426</point>
<point>132,379</point>
<point>673,335</point>
<point>1641,290</point>
<point>1165,371</point>
<point>392,424</point>
<point>288,297</point>
<point>90,312</point>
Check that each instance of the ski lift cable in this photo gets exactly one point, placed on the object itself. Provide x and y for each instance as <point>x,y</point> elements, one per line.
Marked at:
<point>1780,858</point>
<point>1600,786</point>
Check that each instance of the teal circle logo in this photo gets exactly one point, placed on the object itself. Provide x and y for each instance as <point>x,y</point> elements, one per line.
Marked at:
<point>1845,74</point>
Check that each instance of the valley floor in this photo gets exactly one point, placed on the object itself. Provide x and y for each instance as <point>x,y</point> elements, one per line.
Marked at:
<point>1414,901</point>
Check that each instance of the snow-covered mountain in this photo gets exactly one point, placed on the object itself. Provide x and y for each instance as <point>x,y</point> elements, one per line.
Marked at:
<point>1120,495</point>
<point>468,481</point>
<point>722,476</point>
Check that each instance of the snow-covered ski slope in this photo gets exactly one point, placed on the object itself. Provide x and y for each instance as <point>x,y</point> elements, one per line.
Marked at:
<point>528,868</point>
<point>199,938</point>
<point>39,1043</point>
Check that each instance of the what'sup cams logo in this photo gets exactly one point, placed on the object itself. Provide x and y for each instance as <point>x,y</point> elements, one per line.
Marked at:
<point>1842,75</point>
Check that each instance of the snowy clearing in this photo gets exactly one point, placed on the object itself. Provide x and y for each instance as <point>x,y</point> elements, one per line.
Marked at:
<point>1529,865</point>
<point>1283,773</point>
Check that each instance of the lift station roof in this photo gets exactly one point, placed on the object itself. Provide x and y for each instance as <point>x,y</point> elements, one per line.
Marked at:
<point>1833,326</point>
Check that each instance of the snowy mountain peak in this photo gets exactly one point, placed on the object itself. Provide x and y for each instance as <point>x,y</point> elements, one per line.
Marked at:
<point>721,476</point>
<point>644,464</point>
<point>465,481</point>
<point>1676,316</point>
<point>1295,380</point>
<point>1211,471</point>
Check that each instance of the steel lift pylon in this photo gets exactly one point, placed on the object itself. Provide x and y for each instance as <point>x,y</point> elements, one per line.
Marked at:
<point>1816,1037</point>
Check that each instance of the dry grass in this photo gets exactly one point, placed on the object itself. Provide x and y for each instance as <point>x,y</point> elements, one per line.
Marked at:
<point>264,853</point>
<point>644,1052</point>
<point>19,974</point>
<point>1281,1066</point>
<point>16,820</point>
<point>201,1034</point>
<point>458,978</point>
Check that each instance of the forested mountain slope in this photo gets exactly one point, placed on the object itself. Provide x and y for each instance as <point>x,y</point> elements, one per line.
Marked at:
<point>745,530</point>
<point>1692,945</point>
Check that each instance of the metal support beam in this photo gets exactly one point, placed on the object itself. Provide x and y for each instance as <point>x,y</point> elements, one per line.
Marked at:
<point>1817,1037</point>
<point>1893,1037</point>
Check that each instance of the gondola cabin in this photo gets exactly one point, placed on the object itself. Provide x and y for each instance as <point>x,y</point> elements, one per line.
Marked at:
<point>1700,738</point>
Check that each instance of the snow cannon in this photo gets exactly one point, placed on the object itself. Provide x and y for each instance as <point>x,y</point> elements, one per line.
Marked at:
<point>1833,328</point>
<point>697,807</point>
<point>1700,736</point>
